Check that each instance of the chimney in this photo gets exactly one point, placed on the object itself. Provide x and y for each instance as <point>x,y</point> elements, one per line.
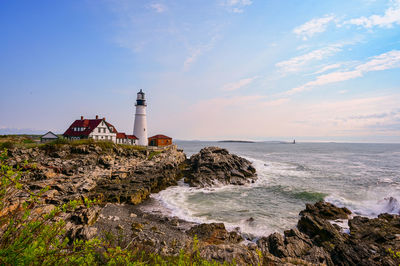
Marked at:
<point>104,118</point>
<point>81,117</point>
<point>97,117</point>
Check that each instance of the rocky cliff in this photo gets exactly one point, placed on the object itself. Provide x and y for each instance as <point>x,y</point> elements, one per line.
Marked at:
<point>111,173</point>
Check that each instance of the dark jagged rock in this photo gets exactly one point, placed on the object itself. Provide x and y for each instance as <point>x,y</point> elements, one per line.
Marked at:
<point>213,166</point>
<point>326,210</point>
<point>318,241</point>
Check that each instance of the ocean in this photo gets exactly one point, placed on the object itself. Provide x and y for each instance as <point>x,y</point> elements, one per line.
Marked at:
<point>362,177</point>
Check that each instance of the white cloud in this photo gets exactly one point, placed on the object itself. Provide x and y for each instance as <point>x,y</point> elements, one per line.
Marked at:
<point>327,68</point>
<point>391,17</point>
<point>380,62</point>
<point>294,64</point>
<point>238,84</point>
<point>384,61</point>
<point>236,6</point>
<point>158,7</point>
<point>313,26</point>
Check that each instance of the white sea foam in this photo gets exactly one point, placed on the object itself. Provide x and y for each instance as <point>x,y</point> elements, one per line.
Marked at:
<point>369,208</point>
<point>360,181</point>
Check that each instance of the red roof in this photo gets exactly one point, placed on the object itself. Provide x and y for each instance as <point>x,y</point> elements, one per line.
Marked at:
<point>121,135</point>
<point>131,137</point>
<point>114,130</point>
<point>160,137</point>
<point>88,124</point>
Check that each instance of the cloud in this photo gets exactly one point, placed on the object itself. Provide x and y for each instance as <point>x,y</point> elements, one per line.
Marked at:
<point>327,68</point>
<point>380,62</point>
<point>158,7</point>
<point>391,17</point>
<point>384,61</point>
<point>317,25</point>
<point>350,116</point>
<point>236,6</point>
<point>238,84</point>
<point>258,116</point>
<point>294,64</point>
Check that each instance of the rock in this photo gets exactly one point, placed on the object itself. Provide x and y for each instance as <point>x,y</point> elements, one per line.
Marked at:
<point>276,245</point>
<point>137,227</point>
<point>76,172</point>
<point>228,253</point>
<point>214,233</point>
<point>132,215</point>
<point>89,232</point>
<point>326,210</point>
<point>106,160</point>
<point>214,166</point>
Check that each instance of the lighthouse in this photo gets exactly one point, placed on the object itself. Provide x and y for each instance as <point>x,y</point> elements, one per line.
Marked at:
<point>140,126</point>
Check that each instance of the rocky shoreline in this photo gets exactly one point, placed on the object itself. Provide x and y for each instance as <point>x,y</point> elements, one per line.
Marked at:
<point>123,178</point>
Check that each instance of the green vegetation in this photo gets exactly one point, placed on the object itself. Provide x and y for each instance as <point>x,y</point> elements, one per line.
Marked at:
<point>6,145</point>
<point>29,238</point>
<point>25,141</point>
<point>395,255</point>
<point>152,154</point>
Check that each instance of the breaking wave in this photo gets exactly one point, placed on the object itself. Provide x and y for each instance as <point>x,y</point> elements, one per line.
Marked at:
<point>348,176</point>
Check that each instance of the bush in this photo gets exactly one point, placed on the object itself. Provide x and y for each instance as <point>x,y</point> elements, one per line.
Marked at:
<point>27,141</point>
<point>6,145</point>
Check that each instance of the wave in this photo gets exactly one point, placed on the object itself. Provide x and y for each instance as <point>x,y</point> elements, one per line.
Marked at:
<point>368,208</point>
<point>310,196</point>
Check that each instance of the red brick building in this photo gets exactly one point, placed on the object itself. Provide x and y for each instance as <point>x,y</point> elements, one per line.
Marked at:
<point>160,140</point>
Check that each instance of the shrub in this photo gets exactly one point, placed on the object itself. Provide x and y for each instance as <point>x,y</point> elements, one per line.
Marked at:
<point>27,141</point>
<point>6,145</point>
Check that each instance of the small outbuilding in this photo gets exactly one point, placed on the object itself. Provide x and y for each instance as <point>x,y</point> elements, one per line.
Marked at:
<point>49,136</point>
<point>160,140</point>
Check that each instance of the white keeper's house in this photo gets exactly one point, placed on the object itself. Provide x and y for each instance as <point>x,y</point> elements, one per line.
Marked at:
<point>97,129</point>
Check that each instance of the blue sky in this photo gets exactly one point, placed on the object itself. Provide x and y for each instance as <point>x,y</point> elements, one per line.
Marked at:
<point>242,69</point>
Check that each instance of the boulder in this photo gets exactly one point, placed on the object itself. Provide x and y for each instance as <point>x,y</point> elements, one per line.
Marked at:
<point>326,210</point>
<point>216,166</point>
<point>214,233</point>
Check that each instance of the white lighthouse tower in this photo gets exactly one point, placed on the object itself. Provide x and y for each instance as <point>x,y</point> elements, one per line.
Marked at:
<point>140,126</point>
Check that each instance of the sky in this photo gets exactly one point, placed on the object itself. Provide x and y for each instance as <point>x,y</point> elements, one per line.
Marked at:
<point>211,69</point>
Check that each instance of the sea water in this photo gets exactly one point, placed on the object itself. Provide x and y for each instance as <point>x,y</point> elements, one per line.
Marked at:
<point>362,177</point>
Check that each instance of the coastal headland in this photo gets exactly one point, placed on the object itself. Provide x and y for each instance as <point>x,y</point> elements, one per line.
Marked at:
<point>123,177</point>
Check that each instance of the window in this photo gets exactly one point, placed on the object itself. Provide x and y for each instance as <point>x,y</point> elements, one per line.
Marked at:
<point>99,130</point>
<point>104,130</point>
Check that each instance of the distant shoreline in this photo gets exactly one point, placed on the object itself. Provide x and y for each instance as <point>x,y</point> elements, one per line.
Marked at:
<point>237,141</point>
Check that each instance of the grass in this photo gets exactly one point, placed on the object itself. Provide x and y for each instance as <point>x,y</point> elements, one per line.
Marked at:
<point>26,141</point>
<point>152,154</point>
